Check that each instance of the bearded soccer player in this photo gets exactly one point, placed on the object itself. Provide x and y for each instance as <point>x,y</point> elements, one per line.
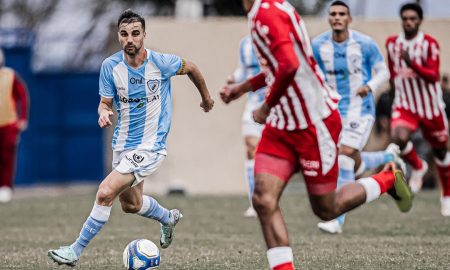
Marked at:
<point>413,58</point>
<point>137,81</point>
<point>354,66</point>
<point>301,131</point>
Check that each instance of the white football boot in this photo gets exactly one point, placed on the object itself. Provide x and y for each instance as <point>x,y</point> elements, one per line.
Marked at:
<point>63,255</point>
<point>416,178</point>
<point>445,206</point>
<point>250,212</point>
<point>168,230</point>
<point>331,227</point>
<point>5,194</point>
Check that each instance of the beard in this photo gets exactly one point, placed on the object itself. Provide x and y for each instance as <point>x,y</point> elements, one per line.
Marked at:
<point>131,50</point>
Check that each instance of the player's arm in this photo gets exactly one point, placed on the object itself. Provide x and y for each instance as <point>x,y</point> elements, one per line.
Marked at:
<point>381,72</point>
<point>20,95</point>
<point>196,76</point>
<point>390,66</point>
<point>282,49</point>
<point>104,112</point>
<point>429,71</point>
<point>234,91</point>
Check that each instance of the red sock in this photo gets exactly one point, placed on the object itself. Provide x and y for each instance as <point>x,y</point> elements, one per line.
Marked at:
<point>409,154</point>
<point>285,266</point>
<point>385,180</point>
<point>444,177</point>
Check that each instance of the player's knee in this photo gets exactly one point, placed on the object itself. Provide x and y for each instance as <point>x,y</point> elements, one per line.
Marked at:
<point>264,203</point>
<point>105,196</point>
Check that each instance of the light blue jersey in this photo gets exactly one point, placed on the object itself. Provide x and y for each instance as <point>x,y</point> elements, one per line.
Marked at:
<point>348,66</point>
<point>143,99</point>
<point>249,67</point>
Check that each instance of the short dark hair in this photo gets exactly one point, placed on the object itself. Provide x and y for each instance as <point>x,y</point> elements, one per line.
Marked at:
<point>129,16</point>
<point>340,3</point>
<point>412,6</point>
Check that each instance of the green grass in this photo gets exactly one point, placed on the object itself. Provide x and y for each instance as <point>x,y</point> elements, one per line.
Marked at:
<point>214,235</point>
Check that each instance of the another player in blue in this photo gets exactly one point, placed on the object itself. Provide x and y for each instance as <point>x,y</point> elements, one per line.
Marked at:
<point>348,58</point>
<point>249,67</point>
<point>137,81</point>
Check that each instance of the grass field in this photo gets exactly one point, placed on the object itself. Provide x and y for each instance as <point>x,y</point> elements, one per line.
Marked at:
<point>214,235</point>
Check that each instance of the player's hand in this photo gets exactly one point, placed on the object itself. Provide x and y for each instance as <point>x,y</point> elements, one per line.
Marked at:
<point>261,114</point>
<point>363,91</point>
<point>103,120</point>
<point>405,57</point>
<point>22,125</point>
<point>207,104</point>
<point>230,92</point>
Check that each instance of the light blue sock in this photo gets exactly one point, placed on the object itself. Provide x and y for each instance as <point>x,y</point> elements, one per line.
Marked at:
<point>250,169</point>
<point>346,175</point>
<point>152,209</point>
<point>373,160</point>
<point>94,223</point>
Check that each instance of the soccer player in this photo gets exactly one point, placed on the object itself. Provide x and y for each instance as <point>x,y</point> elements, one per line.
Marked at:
<point>348,58</point>
<point>13,120</point>
<point>137,81</point>
<point>413,58</point>
<point>249,66</point>
<point>301,131</point>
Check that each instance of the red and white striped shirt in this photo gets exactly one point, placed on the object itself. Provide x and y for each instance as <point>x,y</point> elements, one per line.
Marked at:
<point>300,98</point>
<point>417,86</point>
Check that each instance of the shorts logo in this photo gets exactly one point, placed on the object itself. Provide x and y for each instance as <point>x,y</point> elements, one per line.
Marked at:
<point>354,125</point>
<point>138,158</point>
<point>310,164</point>
<point>153,85</point>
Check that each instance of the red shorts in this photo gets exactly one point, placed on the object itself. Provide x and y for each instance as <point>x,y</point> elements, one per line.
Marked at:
<point>313,151</point>
<point>434,130</point>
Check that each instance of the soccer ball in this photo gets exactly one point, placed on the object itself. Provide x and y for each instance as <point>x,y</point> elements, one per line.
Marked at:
<point>141,254</point>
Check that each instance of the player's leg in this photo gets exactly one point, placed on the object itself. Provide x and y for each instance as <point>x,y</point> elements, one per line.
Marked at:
<point>326,202</point>
<point>135,202</point>
<point>108,190</point>
<point>347,159</point>
<point>274,165</point>
<point>330,204</point>
<point>8,151</point>
<point>250,142</point>
<point>435,132</point>
<point>251,132</point>
<point>268,189</point>
<point>402,125</point>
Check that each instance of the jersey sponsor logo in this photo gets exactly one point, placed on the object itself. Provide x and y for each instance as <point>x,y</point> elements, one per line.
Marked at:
<point>153,85</point>
<point>136,80</point>
<point>138,158</point>
<point>141,100</point>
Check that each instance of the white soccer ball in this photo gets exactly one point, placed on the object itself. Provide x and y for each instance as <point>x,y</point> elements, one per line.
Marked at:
<point>141,254</point>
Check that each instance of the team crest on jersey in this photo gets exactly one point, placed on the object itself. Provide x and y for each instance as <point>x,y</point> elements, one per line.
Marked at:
<point>138,158</point>
<point>153,85</point>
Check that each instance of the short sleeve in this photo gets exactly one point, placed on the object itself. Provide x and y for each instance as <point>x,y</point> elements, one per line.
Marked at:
<point>169,64</point>
<point>106,82</point>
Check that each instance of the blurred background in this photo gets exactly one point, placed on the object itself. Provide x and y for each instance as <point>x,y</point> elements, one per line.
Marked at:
<point>57,47</point>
